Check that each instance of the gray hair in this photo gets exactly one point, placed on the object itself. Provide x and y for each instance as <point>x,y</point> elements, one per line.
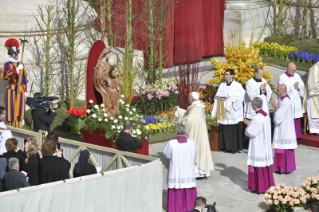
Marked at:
<point>180,129</point>
<point>258,102</point>
<point>13,163</point>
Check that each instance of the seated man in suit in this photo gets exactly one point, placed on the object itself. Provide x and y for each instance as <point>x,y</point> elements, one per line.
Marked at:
<point>126,141</point>
<point>200,204</point>
<point>14,179</point>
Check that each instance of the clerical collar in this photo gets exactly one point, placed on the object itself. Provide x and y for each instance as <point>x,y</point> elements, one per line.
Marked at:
<point>262,112</point>
<point>289,75</point>
<point>257,80</point>
<point>229,83</point>
<point>284,96</point>
<point>181,139</point>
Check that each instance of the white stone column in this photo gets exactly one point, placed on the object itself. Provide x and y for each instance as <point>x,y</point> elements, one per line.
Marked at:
<point>246,20</point>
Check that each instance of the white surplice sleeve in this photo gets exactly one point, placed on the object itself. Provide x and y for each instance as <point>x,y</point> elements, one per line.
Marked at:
<point>301,87</point>
<point>253,128</point>
<point>269,92</point>
<point>252,91</point>
<point>168,151</point>
<point>281,114</point>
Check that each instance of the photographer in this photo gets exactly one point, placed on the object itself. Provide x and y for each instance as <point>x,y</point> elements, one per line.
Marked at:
<point>42,119</point>
<point>200,204</point>
<point>126,141</point>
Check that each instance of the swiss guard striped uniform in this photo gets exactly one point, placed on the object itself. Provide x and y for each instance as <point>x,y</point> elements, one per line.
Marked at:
<point>14,96</point>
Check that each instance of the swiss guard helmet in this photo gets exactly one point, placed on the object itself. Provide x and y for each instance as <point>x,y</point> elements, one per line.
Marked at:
<point>12,45</point>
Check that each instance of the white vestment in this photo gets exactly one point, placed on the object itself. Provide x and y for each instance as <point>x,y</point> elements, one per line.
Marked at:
<point>253,91</point>
<point>294,94</point>
<point>181,169</point>
<point>233,103</point>
<point>194,119</point>
<point>284,133</point>
<point>5,135</point>
<point>311,104</point>
<point>259,150</point>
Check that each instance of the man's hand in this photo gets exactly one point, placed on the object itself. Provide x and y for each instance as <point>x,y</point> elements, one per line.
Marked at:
<point>246,121</point>
<point>58,153</point>
<point>296,85</point>
<point>262,87</point>
<point>27,179</point>
<point>176,107</point>
<point>54,105</point>
<point>274,104</point>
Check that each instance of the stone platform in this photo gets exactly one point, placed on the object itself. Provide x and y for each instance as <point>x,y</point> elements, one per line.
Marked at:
<point>227,185</point>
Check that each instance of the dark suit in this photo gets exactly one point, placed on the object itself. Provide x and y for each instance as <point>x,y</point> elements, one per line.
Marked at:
<point>14,179</point>
<point>13,154</point>
<point>32,168</point>
<point>42,119</point>
<point>194,210</point>
<point>54,169</point>
<point>126,142</point>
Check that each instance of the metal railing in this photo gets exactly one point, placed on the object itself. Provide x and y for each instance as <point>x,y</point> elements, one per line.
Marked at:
<point>106,158</point>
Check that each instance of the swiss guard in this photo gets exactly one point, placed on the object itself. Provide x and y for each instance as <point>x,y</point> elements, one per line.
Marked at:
<point>15,73</point>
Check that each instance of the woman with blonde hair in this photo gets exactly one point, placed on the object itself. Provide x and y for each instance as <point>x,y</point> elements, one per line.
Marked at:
<point>31,164</point>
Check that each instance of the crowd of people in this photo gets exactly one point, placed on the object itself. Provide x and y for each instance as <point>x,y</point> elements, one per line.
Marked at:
<point>29,166</point>
<point>190,156</point>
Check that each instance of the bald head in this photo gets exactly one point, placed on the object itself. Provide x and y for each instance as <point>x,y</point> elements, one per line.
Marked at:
<point>291,68</point>
<point>282,89</point>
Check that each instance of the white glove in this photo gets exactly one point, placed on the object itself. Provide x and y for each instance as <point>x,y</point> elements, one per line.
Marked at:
<point>19,68</point>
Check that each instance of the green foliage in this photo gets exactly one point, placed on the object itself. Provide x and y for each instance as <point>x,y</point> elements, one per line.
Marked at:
<point>278,62</point>
<point>309,45</point>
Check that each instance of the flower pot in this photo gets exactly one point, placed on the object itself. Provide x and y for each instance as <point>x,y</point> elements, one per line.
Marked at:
<point>213,140</point>
<point>314,207</point>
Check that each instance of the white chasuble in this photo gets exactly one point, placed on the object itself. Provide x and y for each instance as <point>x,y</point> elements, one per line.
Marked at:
<point>284,133</point>
<point>194,119</point>
<point>253,91</point>
<point>234,94</point>
<point>295,94</point>
<point>259,150</point>
<point>311,104</point>
<point>181,169</point>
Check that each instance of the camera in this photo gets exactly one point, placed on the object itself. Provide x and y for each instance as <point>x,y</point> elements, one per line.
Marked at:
<point>211,208</point>
<point>42,102</point>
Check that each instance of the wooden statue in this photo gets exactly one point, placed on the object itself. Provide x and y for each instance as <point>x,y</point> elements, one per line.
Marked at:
<point>108,83</point>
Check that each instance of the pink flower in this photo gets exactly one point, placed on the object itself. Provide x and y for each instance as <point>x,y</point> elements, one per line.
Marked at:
<point>173,87</point>
<point>149,96</point>
<point>276,202</point>
<point>166,93</point>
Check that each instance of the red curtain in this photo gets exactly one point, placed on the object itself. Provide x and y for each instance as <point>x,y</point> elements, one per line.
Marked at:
<point>197,23</point>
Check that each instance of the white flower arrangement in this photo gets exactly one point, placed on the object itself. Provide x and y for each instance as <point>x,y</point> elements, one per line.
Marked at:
<point>99,120</point>
<point>91,101</point>
<point>88,111</point>
<point>102,105</point>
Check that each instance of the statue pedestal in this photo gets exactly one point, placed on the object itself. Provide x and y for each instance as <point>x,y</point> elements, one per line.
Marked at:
<point>98,138</point>
<point>245,20</point>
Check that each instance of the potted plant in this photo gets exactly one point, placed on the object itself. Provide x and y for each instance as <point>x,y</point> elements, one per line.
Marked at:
<point>77,120</point>
<point>311,187</point>
<point>284,198</point>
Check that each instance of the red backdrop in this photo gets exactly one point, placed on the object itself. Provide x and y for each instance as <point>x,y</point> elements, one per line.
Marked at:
<point>195,22</point>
